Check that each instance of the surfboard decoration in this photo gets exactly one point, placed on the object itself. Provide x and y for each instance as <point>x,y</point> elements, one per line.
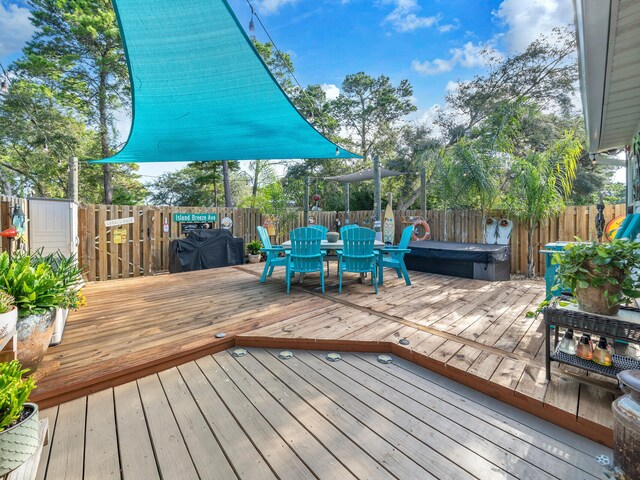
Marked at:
<point>389,226</point>
<point>613,226</point>
<point>491,230</point>
<point>504,231</point>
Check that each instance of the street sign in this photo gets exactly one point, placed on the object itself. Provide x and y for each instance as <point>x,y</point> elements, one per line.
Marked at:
<point>195,217</point>
<point>119,221</point>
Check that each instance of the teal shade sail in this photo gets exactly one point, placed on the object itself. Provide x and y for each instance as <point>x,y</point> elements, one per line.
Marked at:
<point>201,92</point>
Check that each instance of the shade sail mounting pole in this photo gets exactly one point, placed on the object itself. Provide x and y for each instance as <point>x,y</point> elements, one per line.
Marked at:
<point>305,204</point>
<point>377,207</point>
<point>423,192</point>
<point>346,203</point>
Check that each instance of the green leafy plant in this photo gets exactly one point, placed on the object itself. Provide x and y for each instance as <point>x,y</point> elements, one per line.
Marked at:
<point>36,289</point>
<point>14,391</point>
<point>254,247</point>
<point>68,272</point>
<point>601,265</point>
<point>7,302</point>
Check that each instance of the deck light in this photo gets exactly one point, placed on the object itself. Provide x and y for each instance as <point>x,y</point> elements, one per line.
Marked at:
<point>285,355</point>
<point>333,357</point>
<point>239,352</point>
<point>386,359</point>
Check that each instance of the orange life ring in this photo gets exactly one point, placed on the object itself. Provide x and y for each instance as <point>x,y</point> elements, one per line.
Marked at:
<point>427,231</point>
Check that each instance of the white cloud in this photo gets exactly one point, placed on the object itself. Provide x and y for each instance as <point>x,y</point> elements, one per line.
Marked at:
<point>272,6</point>
<point>15,28</point>
<point>405,18</point>
<point>330,90</point>
<point>451,86</point>
<point>469,56</point>
<point>526,20</point>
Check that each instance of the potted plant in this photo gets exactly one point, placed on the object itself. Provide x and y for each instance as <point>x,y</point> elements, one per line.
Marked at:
<point>600,275</point>
<point>19,428</point>
<point>37,291</point>
<point>254,251</point>
<point>8,317</point>
<point>70,274</point>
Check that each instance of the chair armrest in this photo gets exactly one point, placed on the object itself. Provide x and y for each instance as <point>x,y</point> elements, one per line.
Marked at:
<point>396,250</point>
<point>272,249</point>
<point>316,255</point>
<point>372,255</point>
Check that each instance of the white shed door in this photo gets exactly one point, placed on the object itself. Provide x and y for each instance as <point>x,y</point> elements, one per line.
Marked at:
<point>53,226</point>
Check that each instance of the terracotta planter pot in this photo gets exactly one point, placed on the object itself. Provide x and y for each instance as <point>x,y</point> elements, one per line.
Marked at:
<point>20,442</point>
<point>254,258</point>
<point>593,300</point>
<point>7,324</point>
<point>34,335</point>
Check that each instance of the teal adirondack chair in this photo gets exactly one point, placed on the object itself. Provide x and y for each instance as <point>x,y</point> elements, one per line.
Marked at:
<point>321,228</point>
<point>393,256</point>
<point>273,254</point>
<point>324,231</point>
<point>358,255</point>
<point>305,255</point>
<point>347,227</point>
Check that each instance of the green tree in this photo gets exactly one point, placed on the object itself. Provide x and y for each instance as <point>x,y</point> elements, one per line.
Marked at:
<point>279,63</point>
<point>540,184</point>
<point>414,148</point>
<point>545,72</point>
<point>368,108</point>
<point>484,155</point>
<point>77,54</point>
<point>199,184</point>
<point>37,138</point>
<point>313,104</point>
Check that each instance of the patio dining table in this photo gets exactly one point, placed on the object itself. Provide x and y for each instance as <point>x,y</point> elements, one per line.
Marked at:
<point>339,245</point>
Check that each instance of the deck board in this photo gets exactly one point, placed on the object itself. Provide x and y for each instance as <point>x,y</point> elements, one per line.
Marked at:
<point>476,332</point>
<point>309,418</point>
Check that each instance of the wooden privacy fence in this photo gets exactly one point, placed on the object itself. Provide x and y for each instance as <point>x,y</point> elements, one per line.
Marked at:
<point>146,248</point>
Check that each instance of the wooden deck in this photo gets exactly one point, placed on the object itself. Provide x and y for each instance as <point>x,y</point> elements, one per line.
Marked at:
<point>259,417</point>
<point>474,332</point>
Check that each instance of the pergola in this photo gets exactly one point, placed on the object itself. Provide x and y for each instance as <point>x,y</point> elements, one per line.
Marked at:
<point>375,174</point>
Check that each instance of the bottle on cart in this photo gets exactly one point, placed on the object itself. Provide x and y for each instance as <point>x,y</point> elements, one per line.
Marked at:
<point>584,349</point>
<point>602,353</point>
<point>568,344</point>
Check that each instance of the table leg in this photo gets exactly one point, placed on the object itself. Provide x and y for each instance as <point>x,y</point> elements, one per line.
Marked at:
<point>547,341</point>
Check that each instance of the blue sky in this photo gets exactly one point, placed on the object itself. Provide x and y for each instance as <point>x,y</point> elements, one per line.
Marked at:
<point>433,43</point>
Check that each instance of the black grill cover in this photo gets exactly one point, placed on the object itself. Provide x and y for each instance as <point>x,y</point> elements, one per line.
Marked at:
<point>465,252</point>
<point>203,249</point>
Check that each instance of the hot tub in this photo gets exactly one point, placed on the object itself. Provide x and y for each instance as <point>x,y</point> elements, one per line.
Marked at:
<point>468,260</point>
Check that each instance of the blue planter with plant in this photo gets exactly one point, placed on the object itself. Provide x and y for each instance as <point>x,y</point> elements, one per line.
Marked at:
<point>19,425</point>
